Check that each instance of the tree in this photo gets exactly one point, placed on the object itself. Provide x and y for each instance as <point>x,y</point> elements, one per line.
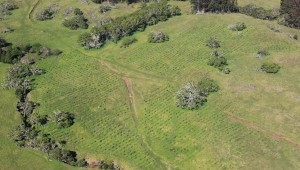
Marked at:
<point>207,86</point>
<point>189,97</point>
<point>290,9</point>
<point>270,67</point>
<point>63,119</point>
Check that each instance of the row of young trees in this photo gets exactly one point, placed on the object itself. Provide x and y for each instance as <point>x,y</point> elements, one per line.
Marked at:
<point>127,25</point>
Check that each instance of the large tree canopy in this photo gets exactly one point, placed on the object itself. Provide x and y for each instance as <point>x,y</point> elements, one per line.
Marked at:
<point>291,11</point>
<point>214,5</point>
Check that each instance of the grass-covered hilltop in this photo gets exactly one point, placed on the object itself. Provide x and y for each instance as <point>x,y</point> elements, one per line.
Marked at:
<point>149,85</point>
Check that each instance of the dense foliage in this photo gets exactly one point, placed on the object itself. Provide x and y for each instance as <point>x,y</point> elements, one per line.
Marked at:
<point>127,41</point>
<point>213,43</point>
<point>290,9</point>
<point>192,97</point>
<point>262,52</point>
<point>157,37</point>
<point>5,9</point>
<point>47,13</point>
<point>76,22</point>
<point>127,25</point>
<point>63,119</point>
<point>270,67</point>
<point>259,12</point>
<point>214,5</point>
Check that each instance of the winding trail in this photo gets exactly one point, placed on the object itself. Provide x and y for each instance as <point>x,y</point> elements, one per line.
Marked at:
<point>131,98</point>
<point>274,135</point>
<point>32,10</point>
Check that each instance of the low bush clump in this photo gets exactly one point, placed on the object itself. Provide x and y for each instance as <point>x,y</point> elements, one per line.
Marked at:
<point>63,119</point>
<point>217,60</point>
<point>127,41</point>
<point>157,37</point>
<point>192,97</point>
<point>104,8</point>
<point>6,8</point>
<point>77,11</point>
<point>274,28</point>
<point>293,36</point>
<point>213,43</point>
<point>47,13</point>
<point>88,40</point>
<point>259,12</point>
<point>262,52</point>
<point>237,26</point>
<point>76,22</point>
<point>270,67</point>
<point>103,21</point>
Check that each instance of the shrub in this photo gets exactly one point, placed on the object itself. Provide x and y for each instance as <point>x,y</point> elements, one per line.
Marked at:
<point>274,28</point>
<point>270,67</point>
<point>98,1</point>
<point>103,21</point>
<point>76,22</point>
<point>259,12</point>
<point>88,41</point>
<point>291,13</point>
<point>217,60</point>
<point>157,37</point>
<point>47,13</point>
<point>237,26</point>
<point>293,36</point>
<point>3,42</point>
<point>77,11</point>
<point>56,52</point>
<point>214,6</point>
<point>262,52</point>
<point>207,86</point>
<point>175,10</point>
<point>213,43</point>
<point>63,119</point>
<point>104,8</point>
<point>189,97</point>
<point>127,41</point>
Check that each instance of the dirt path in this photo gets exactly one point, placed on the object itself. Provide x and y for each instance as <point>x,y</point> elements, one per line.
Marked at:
<point>274,135</point>
<point>30,16</point>
<point>131,98</point>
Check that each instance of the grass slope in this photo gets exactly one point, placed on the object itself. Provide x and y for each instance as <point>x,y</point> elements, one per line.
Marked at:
<point>123,99</point>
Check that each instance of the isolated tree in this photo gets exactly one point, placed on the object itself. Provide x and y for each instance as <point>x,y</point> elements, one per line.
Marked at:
<point>63,119</point>
<point>291,11</point>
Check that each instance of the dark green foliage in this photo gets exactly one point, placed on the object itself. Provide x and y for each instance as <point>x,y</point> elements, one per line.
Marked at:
<point>214,5</point>
<point>63,155</point>
<point>157,37</point>
<point>127,25</point>
<point>77,11</point>
<point>213,43</point>
<point>56,52</point>
<point>207,86</point>
<point>36,47</point>
<point>217,62</point>
<point>3,42</point>
<point>63,119</point>
<point>192,97</point>
<point>98,1</point>
<point>290,9</point>
<point>239,26</point>
<point>76,22</point>
<point>262,52</point>
<point>88,40</point>
<point>47,13</point>
<point>270,67</point>
<point>259,12</point>
<point>127,41</point>
<point>293,36</point>
<point>81,163</point>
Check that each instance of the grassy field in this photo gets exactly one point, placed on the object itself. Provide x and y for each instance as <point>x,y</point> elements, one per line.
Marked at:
<point>124,104</point>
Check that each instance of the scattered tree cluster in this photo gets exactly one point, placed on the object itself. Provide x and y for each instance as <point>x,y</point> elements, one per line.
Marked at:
<point>127,25</point>
<point>47,13</point>
<point>192,96</point>
<point>127,41</point>
<point>14,53</point>
<point>290,9</point>
<point>259,12</point>
<point>239,26</point>
<point>157,37</point>
<point>270,68</point>
<point>217,60</point>
<point>215,6</point>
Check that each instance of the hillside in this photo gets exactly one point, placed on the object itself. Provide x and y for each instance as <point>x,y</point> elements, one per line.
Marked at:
<point>123,98</point>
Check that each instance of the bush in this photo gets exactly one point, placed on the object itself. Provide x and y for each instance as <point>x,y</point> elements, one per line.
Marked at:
<point>270,67</point>
<point>56,52</point>
<point>207,86</point>
<point>103,21</point>
<point>90,41</point>
<point>189,97</point>
<point>274,28</point>
<point>47,13</point>
<point>213,43</point>
<point>259,12</point>
<point>3,42</point>
<point>290,10</point>
<point>77,11</point>
<point>63,119</point>
<point>157,37</point>
<point>76,22</point>
<point>127,41</point>
<point>104,8</point>
<point>214,6</point>
<point>293,36</point>
<point>237,26</point>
